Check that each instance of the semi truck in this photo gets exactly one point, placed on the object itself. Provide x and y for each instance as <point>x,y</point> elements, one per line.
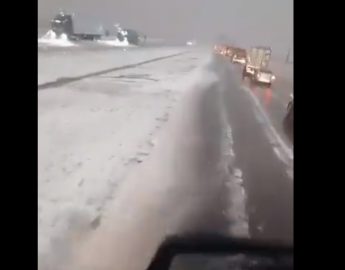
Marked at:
<point>257,58</point>
<point>256,67</point>
<point>79,28</point>
<point>239,56</point>
<point>75,28</point>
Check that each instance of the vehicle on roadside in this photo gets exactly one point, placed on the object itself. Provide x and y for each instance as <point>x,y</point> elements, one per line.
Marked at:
<point>79,28</point>
<point>74,28</point>
<point>263,76</point>
<point>257,58</point>
<point>239,56</point>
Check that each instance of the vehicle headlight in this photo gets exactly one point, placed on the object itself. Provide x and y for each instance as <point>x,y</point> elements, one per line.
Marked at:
<point>273,77</point>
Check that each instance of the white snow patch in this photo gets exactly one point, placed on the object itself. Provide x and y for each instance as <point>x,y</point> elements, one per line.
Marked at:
<point>116,43</point>
<point>50,39</point>
<point>191,43</point>
<point>73,63</point>
<point>236,212</point>
<point>148,204</point>
<point>91,135</point>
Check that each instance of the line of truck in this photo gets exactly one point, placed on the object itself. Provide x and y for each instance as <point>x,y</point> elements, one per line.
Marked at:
<point>77,28</point>
<point>255,62</point>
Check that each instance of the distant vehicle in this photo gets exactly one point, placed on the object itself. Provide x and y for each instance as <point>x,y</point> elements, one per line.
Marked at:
<point>257,58</point>
<point>191,43</point>
<point>132,36</point>
<point>263,76</point>
<point>75,29</point>
<point>225,50</point>
<point>220,49</point>
<point>78,29</point>
<point>239,56</point>
<point>228,51</point>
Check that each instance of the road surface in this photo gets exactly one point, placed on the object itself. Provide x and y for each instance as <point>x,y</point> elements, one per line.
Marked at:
<point>266,177</point>
<point>175,145</point>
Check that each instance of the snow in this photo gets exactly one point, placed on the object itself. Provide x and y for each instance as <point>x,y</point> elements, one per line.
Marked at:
<point>155,197</point>
<point>90,136</point>
<point>72,63</point>
<point>50,39</point>
<point>115,154</point>
<point>115,43</point>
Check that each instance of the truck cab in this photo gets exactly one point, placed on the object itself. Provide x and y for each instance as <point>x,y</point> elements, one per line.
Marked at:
<point>257,59</point>
<point>239,56</point>
<point>75,27</point>
<point>62,24</point>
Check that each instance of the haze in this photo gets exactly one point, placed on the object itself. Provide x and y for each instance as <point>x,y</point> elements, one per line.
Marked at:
<point>248,22</point>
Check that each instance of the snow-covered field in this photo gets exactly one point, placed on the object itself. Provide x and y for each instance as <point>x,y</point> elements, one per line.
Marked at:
<point>95,134</point>
<point>71,63</point>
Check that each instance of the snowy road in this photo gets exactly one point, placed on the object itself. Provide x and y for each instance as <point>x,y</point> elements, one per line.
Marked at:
<point>263,152</point>
<point>176,145</point>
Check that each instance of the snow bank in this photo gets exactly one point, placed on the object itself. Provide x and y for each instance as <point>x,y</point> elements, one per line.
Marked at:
<point>155,197</point>
<point>160,194</point>
<point>76,63</point>
<point>91,135</point>
<point>115,42</point>
<point>50,39</point>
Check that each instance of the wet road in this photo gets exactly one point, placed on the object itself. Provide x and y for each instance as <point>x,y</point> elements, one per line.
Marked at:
<point>261,149</point>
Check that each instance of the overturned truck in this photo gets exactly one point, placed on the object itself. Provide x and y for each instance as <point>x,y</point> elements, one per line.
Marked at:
<point>65,24</point>
<point>77,29</point>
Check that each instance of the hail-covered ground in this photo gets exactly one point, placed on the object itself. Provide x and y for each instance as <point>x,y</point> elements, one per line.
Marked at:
<point>136,144</point>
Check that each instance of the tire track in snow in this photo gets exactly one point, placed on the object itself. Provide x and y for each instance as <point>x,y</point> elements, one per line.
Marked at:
<point>66,80</point>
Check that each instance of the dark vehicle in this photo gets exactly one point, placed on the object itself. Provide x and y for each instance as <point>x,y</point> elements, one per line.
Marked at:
<point>215,252</point>
<point>75,30</point>
<point>131,35</point>
<point>288,120</point>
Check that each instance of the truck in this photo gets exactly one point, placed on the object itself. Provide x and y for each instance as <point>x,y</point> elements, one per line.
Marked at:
<point>75,28</point>
<point>239,56</point>
<point>256,67</point>
<point>257,58</point>
<point>80,28</point>
<point>132,36</point>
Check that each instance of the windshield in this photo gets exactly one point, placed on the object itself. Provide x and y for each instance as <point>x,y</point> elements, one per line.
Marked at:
<point>152,121</point>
